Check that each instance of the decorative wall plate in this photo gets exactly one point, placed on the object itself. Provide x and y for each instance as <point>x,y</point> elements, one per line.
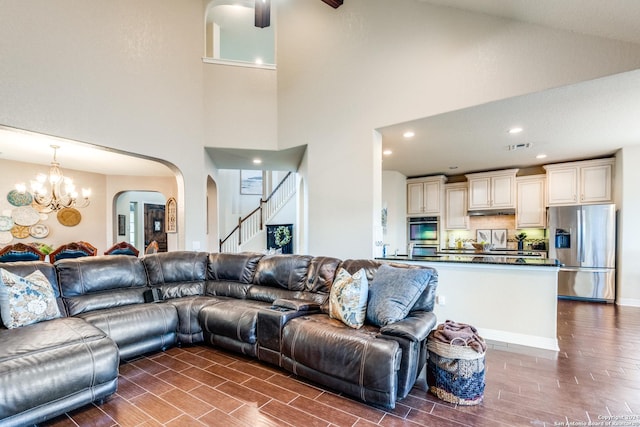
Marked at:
<point>5,223</point>
<point>39,231</point>
<point>25,215</point>
<point>69,217</point>
<point>5,237</point>
<point>44,216</point>
<point>20,231</point>
<point>16,198</point>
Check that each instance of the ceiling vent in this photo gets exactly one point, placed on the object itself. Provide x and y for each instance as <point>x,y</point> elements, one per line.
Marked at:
<point>522,146</point>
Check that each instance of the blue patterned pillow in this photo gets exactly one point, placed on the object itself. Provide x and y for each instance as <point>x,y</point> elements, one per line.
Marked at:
<point>26,300</point>
<point>348,298</point>
<point>393,292</point>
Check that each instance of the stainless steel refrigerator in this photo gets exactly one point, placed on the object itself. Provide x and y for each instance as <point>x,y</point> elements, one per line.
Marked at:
<point>583,239</point>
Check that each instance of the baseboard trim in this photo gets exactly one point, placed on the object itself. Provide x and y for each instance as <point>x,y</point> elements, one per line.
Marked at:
<point>520,339</point>
<point>631,302</point>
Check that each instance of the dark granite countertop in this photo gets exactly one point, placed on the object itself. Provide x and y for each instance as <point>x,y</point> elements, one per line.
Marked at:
<point>470,259</point>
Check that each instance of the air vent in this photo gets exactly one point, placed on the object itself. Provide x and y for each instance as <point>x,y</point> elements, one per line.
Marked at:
<point>522,146</point>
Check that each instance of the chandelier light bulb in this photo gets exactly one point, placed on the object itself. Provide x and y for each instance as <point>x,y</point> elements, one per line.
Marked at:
<point>55,196</point>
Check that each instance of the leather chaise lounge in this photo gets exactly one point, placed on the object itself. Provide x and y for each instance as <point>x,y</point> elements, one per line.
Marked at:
<point>271,307</point>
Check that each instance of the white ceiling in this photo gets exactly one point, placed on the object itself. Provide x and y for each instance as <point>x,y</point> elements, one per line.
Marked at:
<point>36,148</point>
<point>586,120</point>
<point>591,119</point>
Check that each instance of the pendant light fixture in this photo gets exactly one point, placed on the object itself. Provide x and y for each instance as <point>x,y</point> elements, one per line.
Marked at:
<point>263,13</point>
<point>60,193</point>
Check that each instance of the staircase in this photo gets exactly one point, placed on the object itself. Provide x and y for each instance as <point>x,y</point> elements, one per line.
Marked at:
<point>252,224</point>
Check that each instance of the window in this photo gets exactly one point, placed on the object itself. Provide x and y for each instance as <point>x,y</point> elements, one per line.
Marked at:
<point>232,36</point>
<point>133,210</point>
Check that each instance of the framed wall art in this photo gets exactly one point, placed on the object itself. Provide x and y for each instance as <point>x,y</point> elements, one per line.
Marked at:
<point>251,182</point>
<point>122,225</point>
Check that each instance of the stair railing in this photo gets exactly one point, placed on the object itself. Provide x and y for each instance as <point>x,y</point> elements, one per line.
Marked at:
<point>253,223</point>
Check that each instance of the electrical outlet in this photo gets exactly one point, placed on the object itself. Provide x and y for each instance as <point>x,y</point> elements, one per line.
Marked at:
<point>440,300</point>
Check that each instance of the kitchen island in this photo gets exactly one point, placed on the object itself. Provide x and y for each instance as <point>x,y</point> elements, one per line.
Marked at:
<point>511,300</point>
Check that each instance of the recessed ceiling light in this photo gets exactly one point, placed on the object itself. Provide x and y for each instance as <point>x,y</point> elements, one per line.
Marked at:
<point>541,156</point>
<point>257,161</point>
<point>409,134</point>
<point>387,152</point>
<point>259,61</point>
<point>515,130</point>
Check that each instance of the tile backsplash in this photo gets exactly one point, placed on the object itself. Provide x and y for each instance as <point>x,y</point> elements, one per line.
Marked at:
<point>494,222</point>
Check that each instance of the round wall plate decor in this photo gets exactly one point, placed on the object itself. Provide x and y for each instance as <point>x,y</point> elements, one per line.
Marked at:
<point>5,237</point>
<point>6,222</point>
<point>20,231</point>
<point>25,215</point>
<point>16,198</point>
<point>69,217</point>
<point>39,231</point>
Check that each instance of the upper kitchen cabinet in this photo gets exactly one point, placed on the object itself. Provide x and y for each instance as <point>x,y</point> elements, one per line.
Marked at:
<point>578,183</point>
<point>456,217</point>
<point>425,195</point>
<point>531,211</point>
<point>492,190</point>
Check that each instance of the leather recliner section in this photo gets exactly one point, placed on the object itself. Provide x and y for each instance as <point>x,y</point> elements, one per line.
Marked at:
<point>75,364</point>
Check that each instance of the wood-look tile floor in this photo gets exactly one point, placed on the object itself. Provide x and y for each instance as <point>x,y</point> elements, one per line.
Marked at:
<point>594,378</point>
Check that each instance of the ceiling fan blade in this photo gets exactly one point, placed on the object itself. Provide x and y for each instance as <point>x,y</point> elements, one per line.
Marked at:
<point>263,13</point>
<point>334,3</point>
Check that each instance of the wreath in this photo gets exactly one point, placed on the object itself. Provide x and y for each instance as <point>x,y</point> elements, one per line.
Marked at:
<point>282,236</point>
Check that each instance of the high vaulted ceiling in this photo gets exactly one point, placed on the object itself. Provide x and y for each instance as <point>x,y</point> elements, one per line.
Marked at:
<point>591,119</point>
<point>597,117</point>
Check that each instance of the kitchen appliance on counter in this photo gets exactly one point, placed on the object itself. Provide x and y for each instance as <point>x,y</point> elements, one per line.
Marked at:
<point>583,240</point>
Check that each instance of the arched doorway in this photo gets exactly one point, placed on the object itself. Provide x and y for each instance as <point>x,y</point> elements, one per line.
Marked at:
<point>140,219</point>
<point>213,234</point>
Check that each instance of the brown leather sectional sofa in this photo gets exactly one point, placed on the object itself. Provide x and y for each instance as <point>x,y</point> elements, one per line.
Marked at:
<point>272,307</point>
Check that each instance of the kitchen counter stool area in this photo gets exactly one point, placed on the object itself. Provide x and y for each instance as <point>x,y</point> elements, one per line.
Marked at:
<point>117,308</point>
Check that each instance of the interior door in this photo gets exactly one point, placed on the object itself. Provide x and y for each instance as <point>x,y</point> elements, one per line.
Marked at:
<point>154,226</point>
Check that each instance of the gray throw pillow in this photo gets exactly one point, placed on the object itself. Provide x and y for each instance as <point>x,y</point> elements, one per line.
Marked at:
<point>393,292</point>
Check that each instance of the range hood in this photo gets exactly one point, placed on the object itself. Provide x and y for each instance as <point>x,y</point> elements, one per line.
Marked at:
<point>491,212</point>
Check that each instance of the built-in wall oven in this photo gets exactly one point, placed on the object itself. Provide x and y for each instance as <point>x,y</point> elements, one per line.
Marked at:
<point>423,235</point>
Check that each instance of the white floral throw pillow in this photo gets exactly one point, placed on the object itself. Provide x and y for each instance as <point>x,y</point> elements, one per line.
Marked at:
<point>26,300</point>
<point>348,298</point>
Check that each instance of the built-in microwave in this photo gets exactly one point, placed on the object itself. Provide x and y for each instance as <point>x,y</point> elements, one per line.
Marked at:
<point>423,230</point>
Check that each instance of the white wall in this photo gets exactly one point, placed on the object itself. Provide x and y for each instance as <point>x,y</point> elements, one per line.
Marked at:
<point>120,74</point>
<point>628,274</point>
<point>394,199</point>
<point>370,63</point>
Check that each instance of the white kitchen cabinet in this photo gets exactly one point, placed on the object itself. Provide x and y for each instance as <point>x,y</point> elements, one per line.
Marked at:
<point>531,208</point>
<point>425,195</point>
<point>456,198</point>
<point>492,190</point>
<point>578,183</point>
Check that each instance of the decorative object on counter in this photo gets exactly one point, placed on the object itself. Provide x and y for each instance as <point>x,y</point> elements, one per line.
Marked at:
<point>482,246</point>
<point>42,247</point>
<point>69,217</point>
<point>483,236</point>
<point>499,238</point>
<point>455,367</point>
<point>520,237</point>
<point>60,194</point>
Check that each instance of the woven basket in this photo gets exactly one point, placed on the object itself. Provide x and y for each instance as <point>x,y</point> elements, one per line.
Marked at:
<point>455,373</point>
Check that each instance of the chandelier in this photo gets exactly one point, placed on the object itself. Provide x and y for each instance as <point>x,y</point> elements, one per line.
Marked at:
<point>54,191</point>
